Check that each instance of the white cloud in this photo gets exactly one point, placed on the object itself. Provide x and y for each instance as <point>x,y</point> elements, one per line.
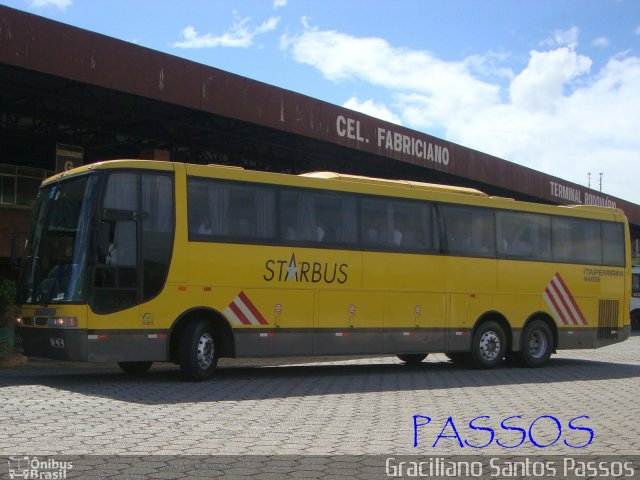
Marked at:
<point>540,85</point>
<point>240,35</point>
<point>591,128</point>
<point>442,86</point>
<point>61,4</point>
<point>600,42</point>
<point>279,3</point>
<point>373,109</point>
<point>555,115</point>
<point>489,66</point>
<point>562,38</point>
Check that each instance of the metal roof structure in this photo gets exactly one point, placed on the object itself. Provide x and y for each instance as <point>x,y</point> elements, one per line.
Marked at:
<point>62,84</point>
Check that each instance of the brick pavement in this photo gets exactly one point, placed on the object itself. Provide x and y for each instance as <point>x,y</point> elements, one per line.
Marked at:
<point>336,407</point>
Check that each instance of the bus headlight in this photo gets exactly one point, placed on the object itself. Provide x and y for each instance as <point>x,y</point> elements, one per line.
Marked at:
<point>64,322</point>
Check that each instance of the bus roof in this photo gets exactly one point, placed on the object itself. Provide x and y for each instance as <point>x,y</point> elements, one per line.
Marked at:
<point>431,187</point>
<point>355,183</point>
<point>107,164</point>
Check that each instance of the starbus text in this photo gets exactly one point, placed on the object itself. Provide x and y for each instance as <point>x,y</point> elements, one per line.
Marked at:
<point>305,272</point>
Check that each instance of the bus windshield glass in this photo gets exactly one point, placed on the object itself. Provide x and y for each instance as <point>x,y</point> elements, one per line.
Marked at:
<point>56,251</point>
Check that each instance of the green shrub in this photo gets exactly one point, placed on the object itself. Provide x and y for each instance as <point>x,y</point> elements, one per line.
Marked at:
<point>7,299</point>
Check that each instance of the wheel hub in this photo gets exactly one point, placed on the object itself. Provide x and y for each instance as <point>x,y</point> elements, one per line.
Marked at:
<point>206,351</point>
<point>537,344</point>
<point>489,345</point>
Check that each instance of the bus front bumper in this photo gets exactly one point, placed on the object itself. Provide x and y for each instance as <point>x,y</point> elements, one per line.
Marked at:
<point>81,345</point>
<point>56,343</point>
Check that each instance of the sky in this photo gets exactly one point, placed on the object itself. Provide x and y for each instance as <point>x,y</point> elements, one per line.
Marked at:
<point>553,85</point>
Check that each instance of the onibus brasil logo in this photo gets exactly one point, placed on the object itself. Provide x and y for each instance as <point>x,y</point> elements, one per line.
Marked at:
<point>33,468</point>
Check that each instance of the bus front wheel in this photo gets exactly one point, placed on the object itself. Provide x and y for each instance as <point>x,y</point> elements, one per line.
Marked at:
<point>537,344</point>
<point>489,345</point>
<point>198,353</point>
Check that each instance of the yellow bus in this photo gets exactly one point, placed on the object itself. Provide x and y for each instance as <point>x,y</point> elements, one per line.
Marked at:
<point>137,261</point>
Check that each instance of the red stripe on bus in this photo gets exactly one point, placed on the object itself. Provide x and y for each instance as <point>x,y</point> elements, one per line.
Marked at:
<point>252,308</point>
<point>241,316</point>
<point>556,308</point>
<point>573,300</point>
<point>562,294</point>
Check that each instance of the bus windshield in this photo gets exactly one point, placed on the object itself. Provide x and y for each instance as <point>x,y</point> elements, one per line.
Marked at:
<point>55,261</point>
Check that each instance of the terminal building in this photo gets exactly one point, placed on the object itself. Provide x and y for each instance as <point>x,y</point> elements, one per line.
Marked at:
<point>70,96</point>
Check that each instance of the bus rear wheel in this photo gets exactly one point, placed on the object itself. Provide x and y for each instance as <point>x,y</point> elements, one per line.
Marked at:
<point>135,368</point>
<point>537,344</point>
<point>488,345</point>
<point>198,353</point>
<point>412,359</point>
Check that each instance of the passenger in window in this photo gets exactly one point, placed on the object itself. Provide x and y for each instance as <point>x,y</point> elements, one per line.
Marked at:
<point>205,226</point>
<point>397,238</point>
<point>111,258</point>
<point>405,234</point>
<point>288,220</point>
<point>372,235</point>
<point>459,235</point>
<point>290,233</point>
<point>376,232</point>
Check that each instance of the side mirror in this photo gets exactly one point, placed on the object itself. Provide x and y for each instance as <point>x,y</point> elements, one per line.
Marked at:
<point>15,251</point>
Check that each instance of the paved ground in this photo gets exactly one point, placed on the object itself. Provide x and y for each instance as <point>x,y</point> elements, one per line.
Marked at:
<point>336,407</point>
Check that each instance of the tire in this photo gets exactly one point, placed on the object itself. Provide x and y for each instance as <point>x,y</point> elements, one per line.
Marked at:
<point>198,351</point>
<point>135,368</point>
<point>412,359</point>
<point>488,346</point>
<point>537,344</point>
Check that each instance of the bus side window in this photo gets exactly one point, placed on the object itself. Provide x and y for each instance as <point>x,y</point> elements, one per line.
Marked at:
<point>157,232</point>
<point>116,273</point>
<point>576,240</point>
<point>223,209</point>
<point>374,223</point>
<point>612,239</point>
<point>124,250</point>
<point>103,241</point>
<point>318,217</point>
<point>469,230</point>
<point>411,225</point>
<point>289,217</point>
<point>524,236</point>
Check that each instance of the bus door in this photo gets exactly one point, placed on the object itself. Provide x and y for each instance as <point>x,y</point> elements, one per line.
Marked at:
<point>114,305</point>
<point>133,243</point>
